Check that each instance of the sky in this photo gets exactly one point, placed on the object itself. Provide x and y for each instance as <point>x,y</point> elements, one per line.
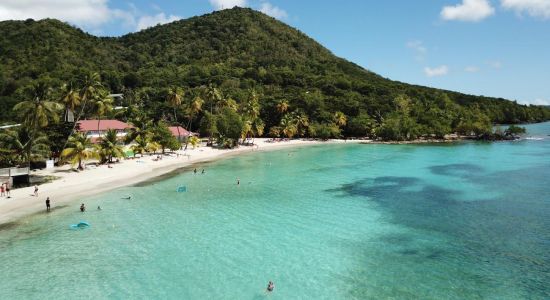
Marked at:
<point>498,48</point>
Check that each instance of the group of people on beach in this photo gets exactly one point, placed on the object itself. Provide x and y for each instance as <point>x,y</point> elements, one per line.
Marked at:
<point>5,190</point>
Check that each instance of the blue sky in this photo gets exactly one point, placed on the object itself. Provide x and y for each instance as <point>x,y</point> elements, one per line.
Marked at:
<point>495,48</point>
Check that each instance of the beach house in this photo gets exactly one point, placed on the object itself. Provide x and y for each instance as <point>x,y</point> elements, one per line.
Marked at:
<point>181,133</point>
<point>94,130</point>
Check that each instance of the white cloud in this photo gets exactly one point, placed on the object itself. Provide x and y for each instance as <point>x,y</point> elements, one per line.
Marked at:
<point>437,71</point>
<point>535,8</point>
<point>83,12</point>
<point>538,101</point>
<point>471,69</point>
<point>149,21</point>
<point>225,4</point>
<point>268,9</point>
<point>468,10</point>
<point>495,64</point>
<point>419,48</point>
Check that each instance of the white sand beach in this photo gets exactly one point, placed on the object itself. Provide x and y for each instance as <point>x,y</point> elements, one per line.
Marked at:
<point>72,186</point>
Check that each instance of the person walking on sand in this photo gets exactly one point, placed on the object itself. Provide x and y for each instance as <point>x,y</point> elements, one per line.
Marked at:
<point>48,204</point>
<point>8,193</point>
<point>82,207</point>
<point>2,190</point>
<point>36,191</point>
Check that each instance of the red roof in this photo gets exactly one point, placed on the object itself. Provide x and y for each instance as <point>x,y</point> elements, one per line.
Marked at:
<point>91,125</point>
<point>182,131</point>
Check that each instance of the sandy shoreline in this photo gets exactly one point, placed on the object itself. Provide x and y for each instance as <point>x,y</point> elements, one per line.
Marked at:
<point>72,186</point>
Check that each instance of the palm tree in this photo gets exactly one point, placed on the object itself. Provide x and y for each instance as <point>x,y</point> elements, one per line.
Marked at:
<point>141,128</point>
<point>340,119</point>
<point>195,107</point>
<point>80,148</point>
<point>140,146</point>
<point>153,147</point>
<point>109,146</point>
<point>17,144</point>
<point>302,123</point>
<point>282,106</point>
<point>38,112</point>
<point>288,126</point>
<point>214,96</point>
<point>103,104</point>
<point>247,130</point>
<point>174,99</point>
<point>258,126</point>
<point>275,131</point>
<point>90,84</point>
<point>71,99</point>
<point>194,141</point>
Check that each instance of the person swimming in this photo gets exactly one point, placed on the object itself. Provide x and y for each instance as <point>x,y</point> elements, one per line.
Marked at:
<point>270,286</point>
<point>98,207</point>
<point>82,207</point>
<point>127,198</point>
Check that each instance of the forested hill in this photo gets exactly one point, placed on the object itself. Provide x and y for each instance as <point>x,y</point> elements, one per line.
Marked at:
<point>238,50</point>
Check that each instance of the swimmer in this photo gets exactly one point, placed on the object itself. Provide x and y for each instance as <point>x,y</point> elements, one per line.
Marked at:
<point>127,198</point>
<point>202,171</point>
<point>270,286</point>
<point>98,207</point>
<point>195,171</point>
<point>82,207</point>
<point>238,181</point>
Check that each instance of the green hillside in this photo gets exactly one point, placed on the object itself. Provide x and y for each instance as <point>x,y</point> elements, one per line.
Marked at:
<point>237,51</point>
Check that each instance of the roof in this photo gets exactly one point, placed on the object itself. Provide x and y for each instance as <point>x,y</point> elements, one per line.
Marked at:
<point>89,125</point>
<point>182,131</point>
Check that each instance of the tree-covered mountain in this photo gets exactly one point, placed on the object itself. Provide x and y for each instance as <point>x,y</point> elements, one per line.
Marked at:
<point>239,51</point>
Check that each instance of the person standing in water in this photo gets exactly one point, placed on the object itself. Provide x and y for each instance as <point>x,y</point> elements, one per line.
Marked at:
<point>238,181</point>
<point>270,286</point>
<point>82,207</point>
<point>195,171</point>
<point>48,204</point>
<point>202,171</point>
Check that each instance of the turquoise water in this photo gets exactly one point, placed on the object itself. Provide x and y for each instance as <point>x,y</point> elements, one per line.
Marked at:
<point>462,221</point>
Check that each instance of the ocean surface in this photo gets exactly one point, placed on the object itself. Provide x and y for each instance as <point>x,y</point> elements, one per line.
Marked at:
<point>448,221</point>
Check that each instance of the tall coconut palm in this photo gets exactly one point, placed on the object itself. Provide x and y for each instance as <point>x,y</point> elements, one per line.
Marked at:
<point>103,104</point>
<point>79,148</point>
<point>71,99</point>
<point>213,96</point>
<point>258,125</point>
<point>302,123</point>
<point>90,85</point>
<point>195,107</point>
<point>251,108</point>
<point>109,146</point>
<point>174,99</point>
<point>288,126</point>
<point>340,119</point>
<point>38,112</point>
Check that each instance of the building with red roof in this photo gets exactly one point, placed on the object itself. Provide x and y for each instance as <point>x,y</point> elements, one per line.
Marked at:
<point>93,130</point>
<point>182,133</point>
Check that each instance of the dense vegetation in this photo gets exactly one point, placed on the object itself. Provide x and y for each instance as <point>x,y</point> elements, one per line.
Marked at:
<point>231,74</point>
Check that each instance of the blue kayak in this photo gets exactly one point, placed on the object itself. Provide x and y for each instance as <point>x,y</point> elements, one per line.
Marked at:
<point>80,225</point>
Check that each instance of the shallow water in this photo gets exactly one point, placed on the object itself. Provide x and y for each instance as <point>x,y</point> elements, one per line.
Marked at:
<point>463,221</point>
